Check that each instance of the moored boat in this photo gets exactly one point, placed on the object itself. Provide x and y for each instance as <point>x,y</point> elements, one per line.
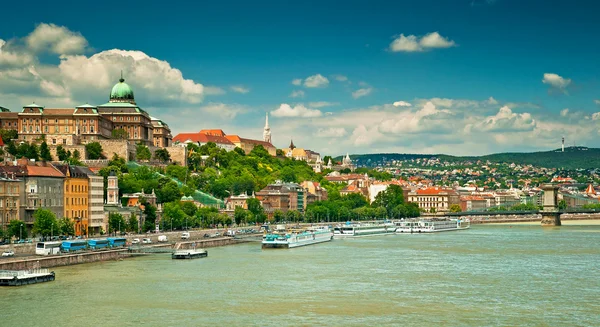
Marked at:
<point>363,229</point>
<point>189,254</point>
<point>292,239</point>
<point>431,225</point>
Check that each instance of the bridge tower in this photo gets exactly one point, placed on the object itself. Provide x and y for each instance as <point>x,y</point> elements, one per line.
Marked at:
<point>550,213</point>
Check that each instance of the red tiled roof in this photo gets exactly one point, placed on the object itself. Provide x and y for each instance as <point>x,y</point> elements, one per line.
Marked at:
<point>214,132</point>
<point>200,137</point>
<point>434,191</point>
<point>48,171</point>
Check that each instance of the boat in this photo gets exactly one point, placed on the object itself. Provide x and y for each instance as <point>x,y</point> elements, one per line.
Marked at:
<point>363,229</point>
<point>296,238</point>
<point>189,254</point>
<point>431,225</point>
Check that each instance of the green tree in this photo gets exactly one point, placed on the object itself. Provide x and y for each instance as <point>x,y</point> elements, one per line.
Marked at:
<point>455,208</point>
<point>326,160</point>
<point>279,153</point>
<point>169,192</point>
<point>12,148</point>
<point>254,206</point>
<point>116,222</point>
<point>94,151</point>
<point>389,198</point>
<point>119,134</point>
<point>45,152</point>
<point>142,152</point>
<point>45,223</point>
<point>278,216</point>
<point>149,216</point>
<point>288,175</point>
<point>61,153</point>
<point>66,226</point>
<point>562,205</point>
<point>240,215</point>
<point>174,216</point>
<point>189,208</point>
<point>8,135</point>
<point>162,155</point>
<point>132,223</point>
<point>32,151</point>
<point>260,152</point>
<point>16,228</point>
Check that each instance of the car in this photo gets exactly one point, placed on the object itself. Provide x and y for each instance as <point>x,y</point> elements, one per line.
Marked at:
<point>8,253</point>
<point>146,241</point>
<point>135,241</point>
<point>185,235</point>
<point>207,235</point>
<point>162,238</point>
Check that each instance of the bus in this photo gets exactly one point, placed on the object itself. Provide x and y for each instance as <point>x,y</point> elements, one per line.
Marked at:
<point>98,244</point>
<point>47,248</point>
<point>72,246</point>
<point>115,242</point>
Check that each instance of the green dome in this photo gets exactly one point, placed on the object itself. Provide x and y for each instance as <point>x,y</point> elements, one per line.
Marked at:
<point>122,92</point>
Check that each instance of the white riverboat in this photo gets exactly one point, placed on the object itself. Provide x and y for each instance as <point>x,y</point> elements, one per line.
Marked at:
<point>292,239</point>
<point>363,229</point>
<point>430,225</point>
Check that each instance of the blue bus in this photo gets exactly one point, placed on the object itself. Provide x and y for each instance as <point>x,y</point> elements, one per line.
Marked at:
<point>72,246</point>
<point>114,242</point>
<point>98,244</point>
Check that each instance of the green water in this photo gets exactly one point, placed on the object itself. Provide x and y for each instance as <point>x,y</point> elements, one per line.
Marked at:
<point>485,276</point>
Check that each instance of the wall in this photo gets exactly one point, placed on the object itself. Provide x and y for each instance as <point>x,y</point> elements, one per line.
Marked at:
<point>63,260</point>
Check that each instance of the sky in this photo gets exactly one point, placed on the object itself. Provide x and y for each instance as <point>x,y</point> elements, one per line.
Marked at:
<point>460,77</point>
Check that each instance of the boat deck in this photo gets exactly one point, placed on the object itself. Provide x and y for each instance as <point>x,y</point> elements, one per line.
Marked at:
<point>25,277</point>
<point>189,254</point>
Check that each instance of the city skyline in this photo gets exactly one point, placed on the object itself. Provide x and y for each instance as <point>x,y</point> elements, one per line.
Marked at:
<point>467,78</point>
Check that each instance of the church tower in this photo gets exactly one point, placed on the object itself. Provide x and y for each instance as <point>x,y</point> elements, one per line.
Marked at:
<point>267,131</point>
<point>112,190</point>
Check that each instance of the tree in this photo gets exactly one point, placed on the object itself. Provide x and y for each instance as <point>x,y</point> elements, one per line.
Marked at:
<point>455,208</point>
<point>32,151</point>
<point>132,223</point>
<point>45,223</point>
<point>189,208</point>
<point>260,152</point>
<point>8,135</point>
<point>66,226</point>
<point>288,175</point>
<point>45,152</point>
<point>94,151</point>
<point>119,134</point>
<point>17,228</point>
<point>279,153</point>
<point>12,148</point>
<point>169,192</point>
<point>142,152</point>
<point>61,153</point>
<point>562,205</point>
<point>254,206</point>
<point>389,198</point>
<point>240,215</point>
<point>173,216</point>
<point>326,160</point>
<point>162,155</point>
<point>116,222</point>
<point>278,216</point>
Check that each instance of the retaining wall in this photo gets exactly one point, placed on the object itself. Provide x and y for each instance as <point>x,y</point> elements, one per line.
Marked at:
<point>63,260</point>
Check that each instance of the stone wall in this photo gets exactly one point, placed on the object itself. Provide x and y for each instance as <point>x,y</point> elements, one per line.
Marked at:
<point>63,260</point>
<point>178,154</point>
<point>122,148</point>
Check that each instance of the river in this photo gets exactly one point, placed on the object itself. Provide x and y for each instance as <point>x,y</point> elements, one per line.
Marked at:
<point>490,275</point>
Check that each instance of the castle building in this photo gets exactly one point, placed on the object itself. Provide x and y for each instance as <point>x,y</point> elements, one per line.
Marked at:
<point>87,123</point>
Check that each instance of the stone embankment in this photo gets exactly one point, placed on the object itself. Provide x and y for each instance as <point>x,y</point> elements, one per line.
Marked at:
<point>489,219</point>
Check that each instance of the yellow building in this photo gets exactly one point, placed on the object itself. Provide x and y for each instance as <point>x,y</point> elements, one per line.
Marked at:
<point>76,197</point>
<point>9,199</point>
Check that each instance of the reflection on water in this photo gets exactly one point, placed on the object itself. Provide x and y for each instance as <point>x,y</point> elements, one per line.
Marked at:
<point>487,276</point>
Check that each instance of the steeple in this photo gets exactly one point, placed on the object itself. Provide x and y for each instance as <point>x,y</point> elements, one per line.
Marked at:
<point>292,146</point>
<point>267,130</point>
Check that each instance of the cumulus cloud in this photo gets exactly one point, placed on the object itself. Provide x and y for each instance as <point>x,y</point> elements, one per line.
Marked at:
<point>13,58</point>
<point>506,120</point>
<point>297,94</point>
<point>413,43</point>
<point>363,136</point>
<point>362,92</point>
<point>556,81</point>
<point>223,110</point>
<point>564,112</point>
<point>596,116</point>
<point>56,39</point>
<point>331,132</point>
<point>401,104</point>
<point>297,81</point>
<point>597,102</point>
<point>426,118</point>
<point>321,104</point>
<point>240,89</point>
<point>285,110</point>
<point>340,78</point>
<point>317,80</point>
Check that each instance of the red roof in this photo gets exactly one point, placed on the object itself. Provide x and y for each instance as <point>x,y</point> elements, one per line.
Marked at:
<point>48,171</point>
<point>434,191</point>
<point>214,132</point>
<point>201,138</point>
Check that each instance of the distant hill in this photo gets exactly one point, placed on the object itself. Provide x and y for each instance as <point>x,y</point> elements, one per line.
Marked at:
<point>572,158</point>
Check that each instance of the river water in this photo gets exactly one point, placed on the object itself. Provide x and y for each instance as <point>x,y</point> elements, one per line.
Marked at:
<point>489,275</point>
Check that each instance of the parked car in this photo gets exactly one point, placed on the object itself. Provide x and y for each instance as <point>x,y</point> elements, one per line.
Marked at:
<point>146,241</point>
<point>162,238</point>
<point>8,253</point>
<point>135,241</point>
<point>185,235</point>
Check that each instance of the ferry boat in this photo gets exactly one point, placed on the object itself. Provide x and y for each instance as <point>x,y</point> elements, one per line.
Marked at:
<point>363,229</point>
<point>294,239</point>
<point>431,225</point>
<point>189,254</point>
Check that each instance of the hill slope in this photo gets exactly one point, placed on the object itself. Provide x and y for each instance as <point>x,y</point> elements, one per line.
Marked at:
<point>572,158</point>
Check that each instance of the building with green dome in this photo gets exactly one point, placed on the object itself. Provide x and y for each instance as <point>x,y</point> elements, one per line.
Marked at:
<point>120,118</point>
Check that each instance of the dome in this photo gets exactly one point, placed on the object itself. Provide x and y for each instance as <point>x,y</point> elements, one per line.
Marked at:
<point>122,92</point>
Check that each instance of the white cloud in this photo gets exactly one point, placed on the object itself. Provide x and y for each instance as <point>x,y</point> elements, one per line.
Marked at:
<point>213,90</point>
<point>240,89</point>
<point>492,101</point>
<point>56,39</point>
<point>597,102</point>
<point>362,92</point>
<point>556,81</point>
<point>596,116</point>
<point>363,136</point>
<point>564,112</point>
<point>227,111</point>
<point>10,58</point>
<point>506,120</point>
<point>285,110</point>
<point>340,78</point>
<point>412,43</point>
<point>297,94</point>
<point>297,81</point>
<point>331,132</point>
<point>321,104</point>
<point>401,104</point>
<point>317,80</point>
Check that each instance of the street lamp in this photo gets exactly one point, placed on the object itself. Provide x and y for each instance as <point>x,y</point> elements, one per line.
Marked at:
<point>21,232</point>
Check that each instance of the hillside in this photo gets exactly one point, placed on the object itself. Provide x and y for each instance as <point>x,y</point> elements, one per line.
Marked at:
<point>572,158</point>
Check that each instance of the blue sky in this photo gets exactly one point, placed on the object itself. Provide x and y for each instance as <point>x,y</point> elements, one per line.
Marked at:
<point>466,77</point>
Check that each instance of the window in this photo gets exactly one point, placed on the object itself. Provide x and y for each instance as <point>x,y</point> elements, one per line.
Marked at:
<point>128,118</point>
<point>64,141</point>
<point>85,121</point>
<point>45,129</point>
<point>92,129</point>
<point>66,128</point>
<point>53,141</point>
<point>114,118</point>
<point>66,121</point>
<point>121,118</point>
<point>56,121</point>
<point>85,129</point>
<point>46,121</point>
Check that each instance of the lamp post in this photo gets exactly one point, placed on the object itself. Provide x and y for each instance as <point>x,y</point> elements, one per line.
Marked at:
<point>21,232</point>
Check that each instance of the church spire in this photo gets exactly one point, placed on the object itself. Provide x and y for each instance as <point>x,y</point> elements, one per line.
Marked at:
<point>292,146</point>
<point>267,130</point>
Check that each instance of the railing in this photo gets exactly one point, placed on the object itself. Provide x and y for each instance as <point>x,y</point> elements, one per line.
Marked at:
<point>23,273</point>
